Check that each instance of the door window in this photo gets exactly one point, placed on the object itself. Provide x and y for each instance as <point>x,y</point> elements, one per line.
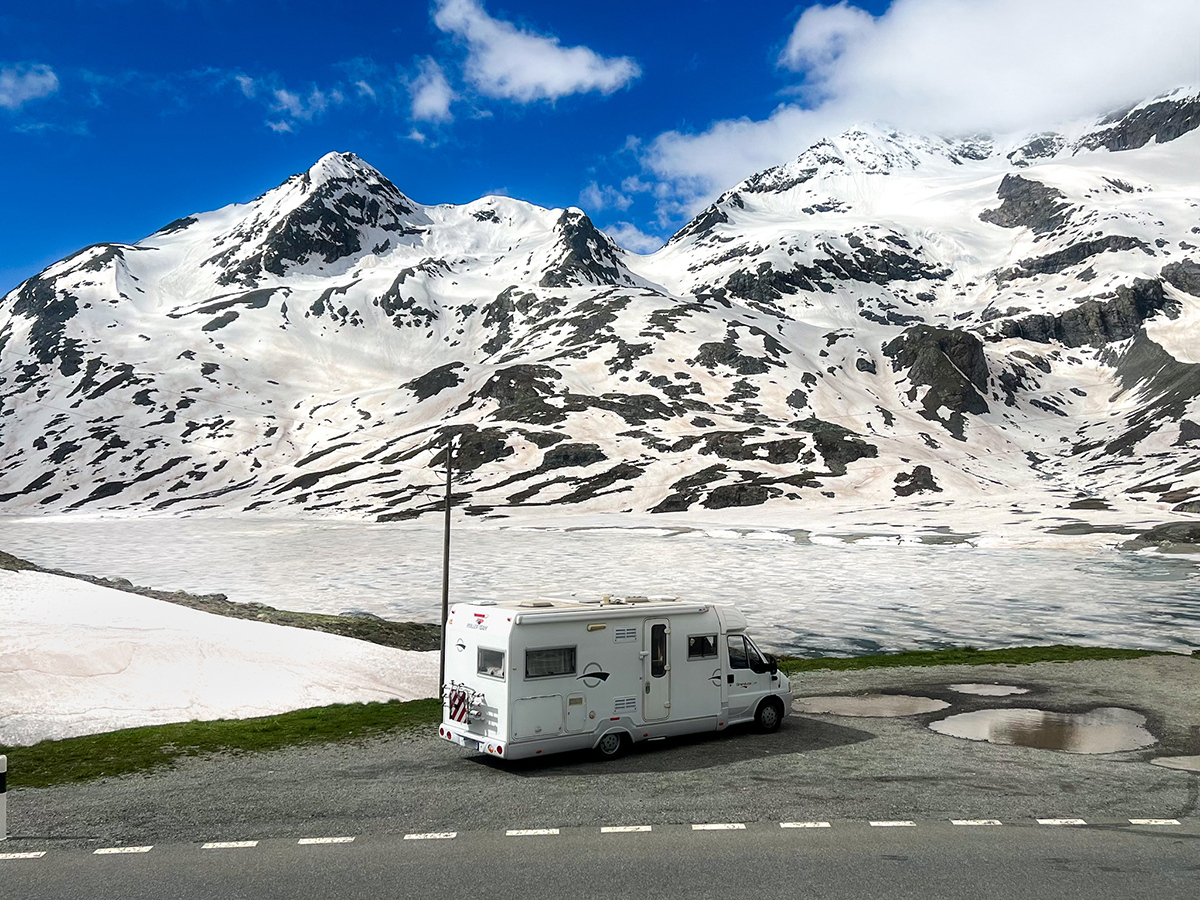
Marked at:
<point>757,662</point>
<point>737,652</point>
<point>658,651</point>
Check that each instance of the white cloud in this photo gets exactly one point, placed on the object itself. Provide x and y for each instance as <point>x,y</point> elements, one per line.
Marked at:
<point>822,34</point>
<point>595,198</point>
<point>943,66</point>
<point>22,83</point>
<point>431,94</point>
<point>281,126</point>
<point>246,83</point>
<point>303,108</point>
<point>510,63</point>
<point>632,238</point>
<point>364,89</point>
<point>416,136</point>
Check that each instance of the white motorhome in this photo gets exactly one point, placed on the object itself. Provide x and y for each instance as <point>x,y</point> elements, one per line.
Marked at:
<point>526,678</point>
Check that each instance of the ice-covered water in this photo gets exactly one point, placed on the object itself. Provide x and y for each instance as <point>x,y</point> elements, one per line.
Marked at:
<point>836,596</point>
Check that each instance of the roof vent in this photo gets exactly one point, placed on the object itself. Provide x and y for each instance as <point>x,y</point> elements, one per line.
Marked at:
<point>536,604</point>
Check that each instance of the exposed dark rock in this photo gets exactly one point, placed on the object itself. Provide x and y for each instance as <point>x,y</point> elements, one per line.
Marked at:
<point>1184,275</point>
<point>1165,536</point>
<point>576,455</point>
<point>50,310</point>
<point>775,180</point>
<point>521,393</point>
<point>1041,146</point>
<point>1071,255</point>
<point>702,224</point>
<point>919,481</point>
<point>728,353</point>
<point>1095,322</point>
<point>1163,121</point>
<point>797,399</point>
<point>739,494</point>
<point>951,362</point>
<point>1028,203</point>
<point>178,225</point>
<point>588,255</point>
<point>435,381</point>
<point>865,365</point>
<point>838,446</point>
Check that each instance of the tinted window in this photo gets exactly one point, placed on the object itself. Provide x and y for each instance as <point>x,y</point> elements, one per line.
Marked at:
<point>658,650</point>
<point>737,652</point>
<point>491,663</point>
<point>702,646</point>
<point>552,661</point>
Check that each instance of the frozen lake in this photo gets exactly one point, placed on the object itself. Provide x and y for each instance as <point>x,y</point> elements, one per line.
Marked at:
<point>802,597</point>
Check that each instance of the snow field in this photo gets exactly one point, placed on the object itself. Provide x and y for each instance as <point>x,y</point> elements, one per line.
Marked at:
<point>77,659</point>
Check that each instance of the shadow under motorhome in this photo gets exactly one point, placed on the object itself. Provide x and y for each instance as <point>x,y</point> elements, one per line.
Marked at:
<point>528,678</point>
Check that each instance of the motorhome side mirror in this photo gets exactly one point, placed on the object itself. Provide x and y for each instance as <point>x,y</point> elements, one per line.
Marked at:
<point>774,663</point>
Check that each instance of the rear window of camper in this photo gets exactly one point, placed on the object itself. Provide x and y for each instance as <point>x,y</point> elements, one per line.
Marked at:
<point>702,646</point>
<point>491,663</point>
<point>549,661</point>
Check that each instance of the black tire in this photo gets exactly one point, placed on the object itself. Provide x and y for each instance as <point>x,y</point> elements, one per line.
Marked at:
<point>613,745</point>
<point>769,715</point>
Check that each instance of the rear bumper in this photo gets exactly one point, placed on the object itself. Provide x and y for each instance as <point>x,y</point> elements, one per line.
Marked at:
<point>465,738</point>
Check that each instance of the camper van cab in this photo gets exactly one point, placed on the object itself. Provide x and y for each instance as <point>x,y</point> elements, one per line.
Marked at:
<point>534,677</point>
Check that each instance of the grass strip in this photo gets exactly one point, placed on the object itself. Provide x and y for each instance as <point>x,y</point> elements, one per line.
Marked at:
<point>962,656</point>
<point>152,747</point>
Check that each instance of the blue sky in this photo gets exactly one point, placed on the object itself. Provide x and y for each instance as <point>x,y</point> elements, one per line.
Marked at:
<point>118,116</point>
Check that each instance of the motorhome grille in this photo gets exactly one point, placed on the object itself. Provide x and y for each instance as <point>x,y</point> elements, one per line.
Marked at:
<point>625,634</point>
<point>625,704</point>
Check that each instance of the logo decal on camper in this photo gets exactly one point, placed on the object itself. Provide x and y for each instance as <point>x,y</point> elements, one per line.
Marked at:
<point>460,644</point>
<point>592,676</point>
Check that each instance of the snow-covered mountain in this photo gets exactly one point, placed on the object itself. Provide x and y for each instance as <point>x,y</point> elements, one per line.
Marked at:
<point>886,318</point>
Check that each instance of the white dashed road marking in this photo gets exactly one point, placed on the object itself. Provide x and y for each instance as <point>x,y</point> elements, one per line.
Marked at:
<point>803,824</point>
<point>331,840</point>
<point>1061,822</point>
<point>529,832</point>
<point>228,845</point>
<point>432,836</point>
<point>37,854</point>
<point>107,850</point>
<point>900,823</point>
<point>975,822</point>
<point>1153,821</point>
<point>714,826</point>
<point>622,829</point>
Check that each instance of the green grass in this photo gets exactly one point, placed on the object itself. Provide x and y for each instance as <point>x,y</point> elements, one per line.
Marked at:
<point>145,749</point>
<point>962,656</point>
<point>135,750</point>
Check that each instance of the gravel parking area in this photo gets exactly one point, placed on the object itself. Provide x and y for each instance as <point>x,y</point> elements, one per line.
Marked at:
<point>815,767</point>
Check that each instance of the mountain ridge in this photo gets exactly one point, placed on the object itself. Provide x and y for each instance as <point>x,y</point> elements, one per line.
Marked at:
<point>885,319</point>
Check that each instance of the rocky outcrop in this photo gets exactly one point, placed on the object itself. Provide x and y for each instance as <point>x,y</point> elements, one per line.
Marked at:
<point>1094,322</point>
<point>1161,122</point>
<point>951,364</point>
<point>1029,204</point>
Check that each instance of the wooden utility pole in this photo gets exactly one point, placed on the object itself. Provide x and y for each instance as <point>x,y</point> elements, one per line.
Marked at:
<point>445,571</point>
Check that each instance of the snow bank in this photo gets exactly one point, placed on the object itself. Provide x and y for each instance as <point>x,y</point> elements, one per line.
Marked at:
<point>78,659</point>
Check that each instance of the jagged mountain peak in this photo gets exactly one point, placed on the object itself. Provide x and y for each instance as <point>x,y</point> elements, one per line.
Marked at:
<point>885,316</point>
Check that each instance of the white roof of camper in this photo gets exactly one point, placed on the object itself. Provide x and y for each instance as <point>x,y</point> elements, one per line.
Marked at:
<point>555,608</point>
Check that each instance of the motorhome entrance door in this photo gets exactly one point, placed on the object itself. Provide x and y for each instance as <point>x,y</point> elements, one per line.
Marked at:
<point>656,701</point>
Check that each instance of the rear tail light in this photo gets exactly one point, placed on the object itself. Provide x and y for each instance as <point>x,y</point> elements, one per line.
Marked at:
<point>500,750</point>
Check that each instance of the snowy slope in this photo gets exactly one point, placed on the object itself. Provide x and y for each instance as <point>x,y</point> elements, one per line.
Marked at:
<point>887,318</point>
<point>76,658</point>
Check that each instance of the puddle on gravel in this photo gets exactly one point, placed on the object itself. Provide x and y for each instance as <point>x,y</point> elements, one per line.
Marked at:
<point>988,690</point>
<point>1108,729</point>
<point>1186,763</point>
<point>869,705</point>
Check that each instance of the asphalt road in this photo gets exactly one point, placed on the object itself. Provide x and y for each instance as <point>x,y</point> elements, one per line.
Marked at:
<point>846,859</point>
<point>847,771</point>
